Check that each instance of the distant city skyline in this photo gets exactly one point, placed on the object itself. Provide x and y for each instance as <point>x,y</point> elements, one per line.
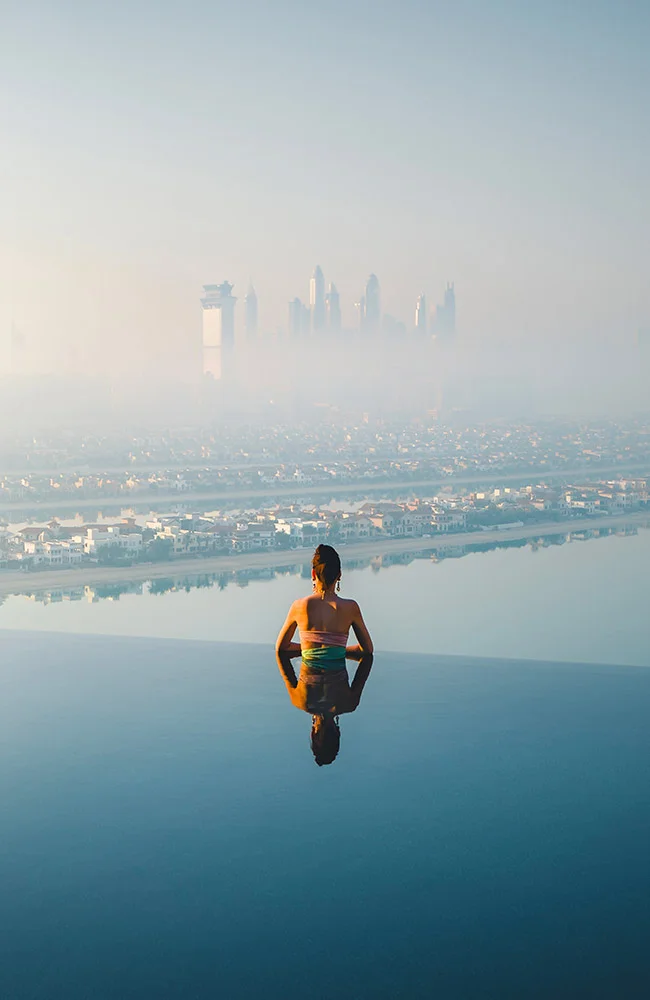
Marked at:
<point>322,315</point>
<point>513,158</point>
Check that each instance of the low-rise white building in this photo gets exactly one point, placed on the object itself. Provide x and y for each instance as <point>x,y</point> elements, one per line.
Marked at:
<point>65,553</point>
<point>253,537</point>
<point>129,542</point>
<point>303,532</point>
<point>448,520</point>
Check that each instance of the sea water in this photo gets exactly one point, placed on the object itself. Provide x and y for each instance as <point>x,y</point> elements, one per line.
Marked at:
<point>582,601</point>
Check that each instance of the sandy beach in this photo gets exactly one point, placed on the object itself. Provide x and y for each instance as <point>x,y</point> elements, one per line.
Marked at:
<point>16,582</point>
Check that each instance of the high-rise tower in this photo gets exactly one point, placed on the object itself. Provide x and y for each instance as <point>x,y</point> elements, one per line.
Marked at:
<point>445,318</point>
<point>317,300</point>
<point>333,309</point>
<point>450,308</point>
<point>372,311</point>
<point>299,316</point>
<point>250,306</point>
<point>218,305</point>
<point>421,314</point>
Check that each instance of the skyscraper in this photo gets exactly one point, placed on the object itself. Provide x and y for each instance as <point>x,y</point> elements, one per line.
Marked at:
<point>444,325</point>
<point>333,309</point>
<point>299,316</point>
<point>218,305</point>
<point>250,305</point>
<point>372,311</point>
<point>421,314</point>
<point>317,300</point>
<point>450,308</point>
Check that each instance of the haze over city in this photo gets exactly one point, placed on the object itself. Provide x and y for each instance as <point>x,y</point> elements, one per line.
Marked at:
<point>151,150</point>
<point>324,499</point>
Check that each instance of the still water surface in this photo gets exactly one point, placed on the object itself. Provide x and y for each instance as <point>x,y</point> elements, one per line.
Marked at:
<point>165,832</point>
<point>586,601</point>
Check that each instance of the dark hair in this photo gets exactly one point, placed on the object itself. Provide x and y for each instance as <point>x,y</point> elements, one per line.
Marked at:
<point>326,740</point>
<point>326,565</point>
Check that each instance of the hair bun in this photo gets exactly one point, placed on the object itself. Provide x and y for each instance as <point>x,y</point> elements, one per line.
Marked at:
<point>326,565</point>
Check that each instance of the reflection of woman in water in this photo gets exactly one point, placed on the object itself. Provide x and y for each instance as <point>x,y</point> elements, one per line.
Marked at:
<point>324,621</point>
<point>325,694</point>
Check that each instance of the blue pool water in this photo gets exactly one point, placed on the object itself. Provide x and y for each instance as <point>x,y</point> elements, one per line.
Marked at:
<point>166,833</point>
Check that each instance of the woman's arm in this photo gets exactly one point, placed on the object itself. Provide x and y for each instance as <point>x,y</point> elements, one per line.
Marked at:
<point>358,682</point>
<point>287,671</point>
<point>283,642</point>
<point>361,632</point>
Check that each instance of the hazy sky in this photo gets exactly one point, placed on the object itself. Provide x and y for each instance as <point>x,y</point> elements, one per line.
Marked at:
<point>148,148</point>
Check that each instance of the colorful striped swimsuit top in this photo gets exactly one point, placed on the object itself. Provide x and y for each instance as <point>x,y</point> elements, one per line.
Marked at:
<point>330,653</point>
<point>325,638</point>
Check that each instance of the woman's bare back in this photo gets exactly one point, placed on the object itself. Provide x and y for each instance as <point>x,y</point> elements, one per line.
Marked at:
<point>324,613</point>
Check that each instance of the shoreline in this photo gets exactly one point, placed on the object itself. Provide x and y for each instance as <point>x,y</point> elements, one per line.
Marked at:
<point>17,582</point>
<point>153,501</point>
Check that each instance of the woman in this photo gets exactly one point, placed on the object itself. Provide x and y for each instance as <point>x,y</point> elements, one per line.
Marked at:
<point>324,619</point>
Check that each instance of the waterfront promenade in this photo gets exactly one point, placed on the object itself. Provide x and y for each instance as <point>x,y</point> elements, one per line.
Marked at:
<point>14,582</point>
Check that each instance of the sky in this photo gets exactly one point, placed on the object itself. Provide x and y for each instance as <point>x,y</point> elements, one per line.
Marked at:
<point>148,148</point>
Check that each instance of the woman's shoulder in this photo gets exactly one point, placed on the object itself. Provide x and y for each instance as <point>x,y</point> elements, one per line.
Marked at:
<point>302,604</point>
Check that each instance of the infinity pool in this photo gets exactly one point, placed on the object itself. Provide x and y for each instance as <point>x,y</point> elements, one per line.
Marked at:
<point>165,831</point>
